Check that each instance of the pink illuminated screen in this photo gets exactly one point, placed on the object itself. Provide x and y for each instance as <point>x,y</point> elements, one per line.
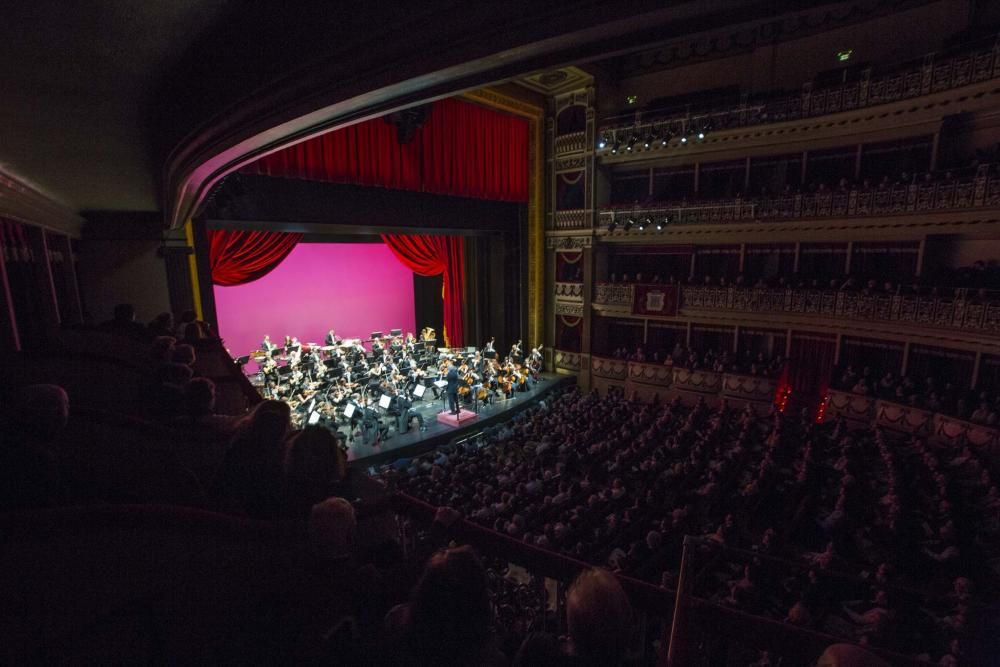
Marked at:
<point>355,288</point>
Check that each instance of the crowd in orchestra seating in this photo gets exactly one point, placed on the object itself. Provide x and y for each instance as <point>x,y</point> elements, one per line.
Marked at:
<point>712,360</point>
<point>913,528</point>
<point>619,484</point>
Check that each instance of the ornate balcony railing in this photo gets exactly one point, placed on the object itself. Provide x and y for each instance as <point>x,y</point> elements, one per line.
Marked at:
<point>908,419</point>
<point>965,313</point>
<point>569,292</point>
<point>947,194</point>
<point>934,74</point>
<point>570,143</point>
<point>614,294</point>
<point>572,219</point>
<point>570,361</point>
<point>647,379</point>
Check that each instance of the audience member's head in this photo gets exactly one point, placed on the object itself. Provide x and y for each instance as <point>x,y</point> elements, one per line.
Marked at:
<point>199,397</point>
<point>331,528</point>
<point>40,412</point>
<point>599,618</point>
<point>183,354</point>
<point>450,616</point>
<point>314,464</point>
<point>124,312</point>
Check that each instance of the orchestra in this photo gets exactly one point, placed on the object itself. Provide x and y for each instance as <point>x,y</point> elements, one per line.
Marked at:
<point>344,383</point>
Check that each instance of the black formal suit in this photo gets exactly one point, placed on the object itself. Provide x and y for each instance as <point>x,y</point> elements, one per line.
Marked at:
<point>452,389</point>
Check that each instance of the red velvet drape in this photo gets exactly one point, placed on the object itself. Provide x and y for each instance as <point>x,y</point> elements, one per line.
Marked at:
<point>810,364</point>
<point>432,256</point>
<point>462,149</point>
<point>238,256</point>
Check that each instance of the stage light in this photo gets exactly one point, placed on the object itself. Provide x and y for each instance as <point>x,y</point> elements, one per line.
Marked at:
<point>615,146</point>
<point>629,223</point>
<point>645,222</point>
<point>684,140</point>
<point>660,224</point>
<point>701,135</point>
<point>631,142</point>
<point>648,142</point>
<point>613,225</point>
<point>602,143</point>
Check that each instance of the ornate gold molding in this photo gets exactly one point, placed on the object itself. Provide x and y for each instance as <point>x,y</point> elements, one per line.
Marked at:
<point>536,202</point>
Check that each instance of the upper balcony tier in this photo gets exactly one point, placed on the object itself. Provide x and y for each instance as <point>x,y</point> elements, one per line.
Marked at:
<point>654,134</point>
<point>942,195</point>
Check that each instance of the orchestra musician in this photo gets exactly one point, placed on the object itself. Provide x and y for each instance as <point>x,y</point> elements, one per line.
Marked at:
<point>267,345</point>
<point>332,338</point>
<point>536,361</point>
<point>489,345</point>
<point>401,407</point>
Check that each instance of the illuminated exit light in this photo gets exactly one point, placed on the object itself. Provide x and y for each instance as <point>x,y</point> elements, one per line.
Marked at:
<point>844,56</point>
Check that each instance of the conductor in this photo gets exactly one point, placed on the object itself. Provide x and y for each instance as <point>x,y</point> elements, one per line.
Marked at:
<point>452,389</point>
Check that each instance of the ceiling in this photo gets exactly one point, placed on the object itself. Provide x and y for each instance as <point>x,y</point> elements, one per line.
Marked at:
<point>78,79</point>
<point>102,100</point>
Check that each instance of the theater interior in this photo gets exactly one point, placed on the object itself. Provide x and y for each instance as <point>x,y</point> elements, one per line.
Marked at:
<point>696,307</point>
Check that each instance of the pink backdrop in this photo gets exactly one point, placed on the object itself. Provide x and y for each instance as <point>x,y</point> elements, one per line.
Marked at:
<point>355,288</point>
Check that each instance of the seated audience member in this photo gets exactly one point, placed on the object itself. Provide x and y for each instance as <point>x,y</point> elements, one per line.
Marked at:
<point>449,618</point>
<point>166,400</point>
<point>183,354</point>
<point>250,477</point>
<point>191,328</point>
<point>315,467</point>
<point>162,325</point>
<point>199,409</point>
<point>123,324</point>
<point>29,455</point>
<point>849,655</point>
<point>161,351</point>
<point>599,618</point>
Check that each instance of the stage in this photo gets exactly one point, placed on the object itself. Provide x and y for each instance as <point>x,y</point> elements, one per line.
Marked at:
<point>438,433</point>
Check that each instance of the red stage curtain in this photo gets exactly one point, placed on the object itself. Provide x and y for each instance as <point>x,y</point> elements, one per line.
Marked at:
<point>432,256</point>
<point>238,256</point>
<point>462,149</point>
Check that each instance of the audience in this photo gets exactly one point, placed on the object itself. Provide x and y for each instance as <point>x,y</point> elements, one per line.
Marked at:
<point>29,452</point>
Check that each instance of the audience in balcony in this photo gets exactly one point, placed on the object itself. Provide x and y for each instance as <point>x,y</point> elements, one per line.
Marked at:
<point>716,361</point>
<point>980,407</point>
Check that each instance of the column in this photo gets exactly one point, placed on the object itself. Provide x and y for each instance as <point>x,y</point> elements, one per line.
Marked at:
<point>975,369</point>
<point>8,321</point>
<point>795,261</point>
<point>906,358</point>
<point>921,248</point>
<point>74,309</point>
<point>857,162</point>
<point>43,286</point>
<point>935,147</point>
<point>847,259</point>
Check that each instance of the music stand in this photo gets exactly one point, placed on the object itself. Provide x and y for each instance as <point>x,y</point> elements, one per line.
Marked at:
<point>277,352</point>
<point>242,361</point>
<point>376,335</point>
<point>395,332</point>
<point>490,354</point>
<point>384,401</point>
<point>418,391</point>
<point>313,418</point>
